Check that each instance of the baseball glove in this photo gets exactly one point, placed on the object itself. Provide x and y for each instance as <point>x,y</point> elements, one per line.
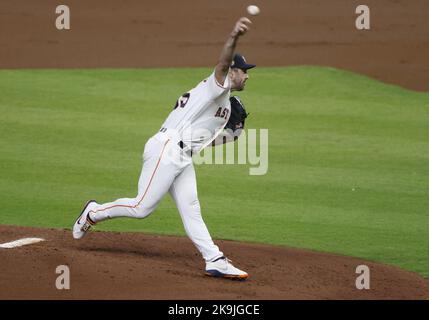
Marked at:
<point>235,124</point>
<point>238,115</point>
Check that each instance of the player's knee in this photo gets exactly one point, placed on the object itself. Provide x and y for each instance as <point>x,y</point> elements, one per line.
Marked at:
<point>141,210</point>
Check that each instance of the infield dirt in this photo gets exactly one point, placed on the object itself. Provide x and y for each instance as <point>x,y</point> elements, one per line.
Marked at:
<point>166,33</point>
<point>107,265</point>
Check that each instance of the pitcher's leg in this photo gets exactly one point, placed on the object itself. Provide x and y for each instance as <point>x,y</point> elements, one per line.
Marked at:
<point>155,180</point>
<point>184,192</point>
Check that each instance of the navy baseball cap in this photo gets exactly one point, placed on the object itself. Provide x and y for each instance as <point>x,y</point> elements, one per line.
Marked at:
<point>239,62</point>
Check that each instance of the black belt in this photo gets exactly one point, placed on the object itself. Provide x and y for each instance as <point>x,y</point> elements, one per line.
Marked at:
<point>181,144</point>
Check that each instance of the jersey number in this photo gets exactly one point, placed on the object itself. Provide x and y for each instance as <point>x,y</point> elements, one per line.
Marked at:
<point>182,101</point>
<point>222,112</point>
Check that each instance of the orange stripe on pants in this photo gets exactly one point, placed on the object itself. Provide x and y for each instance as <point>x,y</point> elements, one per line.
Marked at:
<point>147,188</point>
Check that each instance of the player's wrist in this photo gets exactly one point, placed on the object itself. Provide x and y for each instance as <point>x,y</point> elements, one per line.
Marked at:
<point>234,35</point>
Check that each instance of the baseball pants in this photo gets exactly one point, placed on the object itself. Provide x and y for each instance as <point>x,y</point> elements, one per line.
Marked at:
<point>166,168</point>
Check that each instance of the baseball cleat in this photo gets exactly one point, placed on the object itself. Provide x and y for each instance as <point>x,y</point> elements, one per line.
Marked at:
<point>222,268</point>
<point>83,222</point>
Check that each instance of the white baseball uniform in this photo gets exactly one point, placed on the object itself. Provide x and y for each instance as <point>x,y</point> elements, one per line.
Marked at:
<point>198,117</point>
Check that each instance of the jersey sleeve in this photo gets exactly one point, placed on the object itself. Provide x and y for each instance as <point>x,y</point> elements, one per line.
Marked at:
<point>226,136</point>
<point>214,88</point>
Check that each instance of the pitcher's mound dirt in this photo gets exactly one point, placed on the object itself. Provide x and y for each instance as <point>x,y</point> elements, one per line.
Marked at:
<point>107,265</point>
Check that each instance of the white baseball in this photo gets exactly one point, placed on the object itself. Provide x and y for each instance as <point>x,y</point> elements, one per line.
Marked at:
<point>253,10</point>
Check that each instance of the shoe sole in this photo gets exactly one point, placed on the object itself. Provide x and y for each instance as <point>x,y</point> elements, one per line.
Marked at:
<point>218,274</point>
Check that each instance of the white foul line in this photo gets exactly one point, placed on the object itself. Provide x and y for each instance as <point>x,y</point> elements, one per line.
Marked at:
<point>20,243</point>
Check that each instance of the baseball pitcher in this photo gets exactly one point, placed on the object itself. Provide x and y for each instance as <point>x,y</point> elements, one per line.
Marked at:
<point>198,117</point>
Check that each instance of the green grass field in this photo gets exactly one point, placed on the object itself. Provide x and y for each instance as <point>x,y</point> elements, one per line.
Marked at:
<point>348,157</point>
